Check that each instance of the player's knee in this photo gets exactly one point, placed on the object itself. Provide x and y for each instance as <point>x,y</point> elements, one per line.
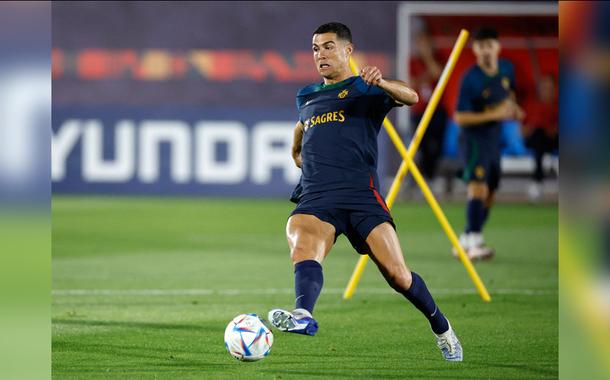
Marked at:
<point>300,253</point>
<point>478,190</point>
<point>400,280</point>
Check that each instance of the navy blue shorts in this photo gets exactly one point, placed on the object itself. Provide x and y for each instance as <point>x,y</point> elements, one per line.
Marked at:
<point>481,162</point>
<point>353,214</point>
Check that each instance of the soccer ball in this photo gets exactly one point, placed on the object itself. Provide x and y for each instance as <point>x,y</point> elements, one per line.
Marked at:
<point>247,338</point>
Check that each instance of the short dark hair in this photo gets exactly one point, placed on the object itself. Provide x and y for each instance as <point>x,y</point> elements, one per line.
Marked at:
<point>485,33</point>
<point>341,30</point>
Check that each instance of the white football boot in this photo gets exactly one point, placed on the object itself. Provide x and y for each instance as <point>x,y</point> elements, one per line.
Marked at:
<point>464,242</point>
<point>299,321</point>
<point>450,346</point>
<point>478,250</point>
<point>474,246</point>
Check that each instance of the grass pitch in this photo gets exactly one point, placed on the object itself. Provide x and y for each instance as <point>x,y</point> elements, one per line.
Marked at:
<point>144,288</point>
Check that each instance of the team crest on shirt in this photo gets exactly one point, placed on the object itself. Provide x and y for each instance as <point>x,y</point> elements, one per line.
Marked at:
<point>505,83</point>
<point>479,172</point>
<point>343,94</point>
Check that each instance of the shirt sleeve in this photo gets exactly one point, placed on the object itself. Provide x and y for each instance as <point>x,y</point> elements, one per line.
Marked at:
<point>466,95</point>
<point>381,102</point>
<point>388,102</point>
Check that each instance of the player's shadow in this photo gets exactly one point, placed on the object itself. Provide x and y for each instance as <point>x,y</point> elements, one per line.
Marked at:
<point>127,324</point>
<point>165,357</point>
<point>136,357</point>
<point>158,357</point>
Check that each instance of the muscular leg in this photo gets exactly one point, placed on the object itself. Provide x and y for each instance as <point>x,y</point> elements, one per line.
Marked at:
<point>478,193</point>
<point>310,240</point>
<point>387,254</point>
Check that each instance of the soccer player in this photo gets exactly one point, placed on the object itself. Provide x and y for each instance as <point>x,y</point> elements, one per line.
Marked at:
<point>335,145</point>
<point>486,99</point>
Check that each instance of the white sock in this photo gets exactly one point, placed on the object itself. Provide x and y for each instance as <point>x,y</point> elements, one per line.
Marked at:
<point>465,241</point>
<point>476,239</point>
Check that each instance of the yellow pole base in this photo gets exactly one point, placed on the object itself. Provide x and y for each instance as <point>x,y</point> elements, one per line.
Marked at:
<point>355,279</point>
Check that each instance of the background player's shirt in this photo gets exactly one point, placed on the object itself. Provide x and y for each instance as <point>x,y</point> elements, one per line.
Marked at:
<point>339,148</point>
<point>480,92</point>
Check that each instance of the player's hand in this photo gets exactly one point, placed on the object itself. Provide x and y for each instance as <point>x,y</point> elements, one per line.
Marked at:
<point>298,161</point>
<point>519,113</point>
<point>371,75</point>
<point>504,111</point>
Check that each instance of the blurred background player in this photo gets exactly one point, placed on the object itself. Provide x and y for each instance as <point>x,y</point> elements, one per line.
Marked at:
<point>486,98</point>
<point>425,70</point>
<point>540,129</point>
<point>335,144</point>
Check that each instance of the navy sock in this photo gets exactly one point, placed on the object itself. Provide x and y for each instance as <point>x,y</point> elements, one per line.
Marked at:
<point>421,298</point>
<point>475,213</point>
<point>308,281</point>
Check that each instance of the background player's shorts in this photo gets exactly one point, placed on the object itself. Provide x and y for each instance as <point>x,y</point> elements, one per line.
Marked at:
<point>353,214</point>
<point>481,162</point>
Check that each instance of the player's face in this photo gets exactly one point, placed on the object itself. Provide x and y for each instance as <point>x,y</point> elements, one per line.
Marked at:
<point>330,54</point>
<point>486,51</point>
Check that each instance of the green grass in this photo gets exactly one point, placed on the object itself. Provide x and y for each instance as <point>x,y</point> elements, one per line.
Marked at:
<point>234,253</point>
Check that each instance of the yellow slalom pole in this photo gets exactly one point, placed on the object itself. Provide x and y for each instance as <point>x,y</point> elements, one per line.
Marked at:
<point>421,129</point>
<point>428,113</point>
<point>442,219</point>
<point>408,162</point>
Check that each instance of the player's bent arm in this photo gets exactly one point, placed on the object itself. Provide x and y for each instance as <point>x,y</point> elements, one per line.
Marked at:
<point>399,91</point>
<point>296,144</point>
<point>466,119</point>
<point>504,111</point>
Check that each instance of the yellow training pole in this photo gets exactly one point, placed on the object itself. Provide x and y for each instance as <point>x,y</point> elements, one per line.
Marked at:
<point>423,125</point>
<point>442,219</point>
<point>428,113</point>
<point>408,162</point>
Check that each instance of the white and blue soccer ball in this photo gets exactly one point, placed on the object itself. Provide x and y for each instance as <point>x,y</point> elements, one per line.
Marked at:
<point>247,338</point>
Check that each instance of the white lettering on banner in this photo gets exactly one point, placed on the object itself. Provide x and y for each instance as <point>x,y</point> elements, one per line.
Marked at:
<point>137,151</point>
<point>62,144</point>
<point>95,168</point>
<point>177,134</point>
<point>266,156</point>
<point>208,135</point>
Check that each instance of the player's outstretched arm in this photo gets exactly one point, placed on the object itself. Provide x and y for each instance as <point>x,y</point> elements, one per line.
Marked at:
<point>296,144</point>
<point>398,90</point>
